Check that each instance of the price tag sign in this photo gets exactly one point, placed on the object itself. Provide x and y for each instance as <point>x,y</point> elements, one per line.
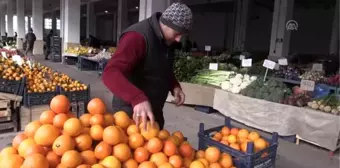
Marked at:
<point>242,57</point>
<point>269,64</point>
<point>307,85</point>
<point>17,59</point>
<point>317,67</point>
<point>213,66</point>
<point>4,54</point>
<point>283,61</point>
<point>207,48</point>
<point>247,62</point>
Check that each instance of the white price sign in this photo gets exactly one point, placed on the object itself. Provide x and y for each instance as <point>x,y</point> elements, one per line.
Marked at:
<point>283,61</point>
<point>307,85</point>
<point>207,48</point>
<point>17,59</point>
<point>247,62</point>
<point>213,66</point>
<point>269,64</point>
<point>242,57</point>
<point>317,67</point>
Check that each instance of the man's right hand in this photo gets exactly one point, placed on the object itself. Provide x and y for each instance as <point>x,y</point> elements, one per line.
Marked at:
<point>141,113</point>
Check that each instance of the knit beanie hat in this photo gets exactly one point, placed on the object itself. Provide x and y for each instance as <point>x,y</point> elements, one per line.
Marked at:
<point>178,16</point>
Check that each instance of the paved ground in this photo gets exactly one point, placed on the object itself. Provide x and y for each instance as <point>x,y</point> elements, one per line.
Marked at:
<point>187,120</point>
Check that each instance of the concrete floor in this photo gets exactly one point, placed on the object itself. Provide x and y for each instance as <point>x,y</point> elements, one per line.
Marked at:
<point>187,120</point>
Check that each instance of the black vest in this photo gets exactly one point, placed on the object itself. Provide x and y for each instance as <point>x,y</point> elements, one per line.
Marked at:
<point>152,74</point>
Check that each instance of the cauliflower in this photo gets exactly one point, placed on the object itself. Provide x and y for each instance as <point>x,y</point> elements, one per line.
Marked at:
<point>226,85</point>
<point>253,78</point>
<point>246,77</point>
<point>239,76</point>
<point>236,81</point>
<point>235,89</point>
<point>244,85</point>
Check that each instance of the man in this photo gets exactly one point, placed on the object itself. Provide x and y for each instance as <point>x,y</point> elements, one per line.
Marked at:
<point>139,74</point>
<point>48,44</point>
<point>30,39</point>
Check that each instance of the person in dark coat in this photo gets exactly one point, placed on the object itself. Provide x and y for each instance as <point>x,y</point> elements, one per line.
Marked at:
<point>139,73</point>
<point>48,44</point>
<point>30,39</point>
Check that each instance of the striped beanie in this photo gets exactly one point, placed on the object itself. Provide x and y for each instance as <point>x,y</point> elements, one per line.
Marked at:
<point>178,16</point>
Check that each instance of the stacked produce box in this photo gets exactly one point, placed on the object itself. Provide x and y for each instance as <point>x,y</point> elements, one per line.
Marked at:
<point>55,49</point>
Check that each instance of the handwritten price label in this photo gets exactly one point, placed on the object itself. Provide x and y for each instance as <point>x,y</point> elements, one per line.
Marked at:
<point>213,66</point>
<point>269,64</point>
<point>247,62</point>
<point>283,61</point>
<point>317,67</point>
<point>207,48</point>
<point>307,85</point>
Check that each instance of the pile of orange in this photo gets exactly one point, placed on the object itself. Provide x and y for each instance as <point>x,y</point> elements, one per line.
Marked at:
<point>238,138</point>
<point>102,140</point>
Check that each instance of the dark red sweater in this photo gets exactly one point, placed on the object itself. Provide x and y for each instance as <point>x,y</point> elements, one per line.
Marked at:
<point>131,50</point>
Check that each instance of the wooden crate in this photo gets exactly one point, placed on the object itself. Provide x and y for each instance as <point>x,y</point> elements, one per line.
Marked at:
<point>5,110</point>
<point>9,111</point>
<point>29,114</point>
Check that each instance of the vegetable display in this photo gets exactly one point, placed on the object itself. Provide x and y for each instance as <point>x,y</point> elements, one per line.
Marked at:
<point>237,83</point>
<point>270,90</point>
<point>288,72</point>
<point>211,77</point>
<point>328,104</point>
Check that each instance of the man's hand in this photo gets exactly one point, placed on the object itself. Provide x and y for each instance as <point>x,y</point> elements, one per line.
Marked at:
<point>141,113</point>
<point>179,96</point>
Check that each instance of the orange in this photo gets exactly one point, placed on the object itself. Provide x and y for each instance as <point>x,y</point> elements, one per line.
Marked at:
<point>34,149</point>
<point>174,139</point>
<point>169,148</point>
<point>176,161</point>
<point>141,155</point>
<point>243,133</point>
<point>83,142</point>
<point>166,165</point>
<point>260,144</point>
<point>97,119</point>
<point>88,157</point>
<point>179,135</point>
<point>47,117</point>
<point>122,152</point>
<point>96,106</point>
<point>163,134</point>
<point>24,145</point>
<point>18,139</point>
<point>60,104</point>
<point>96,132</point>
<point>108,119</point>
<point>130,164</point>
<point>35,160</point>
<point>232,139</point>
<point>215,165</point>
<point>59,120</point>
<point>147,164</point>
<point>73,127</point>
<point>132,129</point>
<point>234,131</point>
<point>204,161</point>
<point>102,150</point>
<point>136,140</point>
<point>122,120</point>
<point>97,166</point>
<point>111,162</point>
<point>62,144</point>
<point>11,161</point>
<point>212,154</point>
<point>150,132</point>
<point>71,158</point>
<point>52,159</point>
<point>112,135</point>
<point>244,145</point>
<point>85,120</point>
<point>185,150</point>
<point>46,135</point>
<point>218,136</point>
<point>200,154</point>
<point>8,151</point>
<point>226,160</point>
<point>253,136</point>
<point>154,145</point>
<point>197,164</point>
<point>159,158</point>
<point>225,131</point>
<point>31,128</point>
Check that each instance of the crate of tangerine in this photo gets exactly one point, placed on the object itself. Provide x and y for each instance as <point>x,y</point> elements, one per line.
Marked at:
<point>248,149</point>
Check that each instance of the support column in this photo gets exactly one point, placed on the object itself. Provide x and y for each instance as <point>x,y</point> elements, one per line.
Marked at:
<point>29,24</point>
<point>334,43</point>
<point>241,20</point>
<point>20,23</point>
<point>148,7</point>
<point>114,26</point>
<point>10,32</point>
<point>122,21</point>
<point>90,20</point>
<point>280,36</point>
<point>2,19</point>
<point>62,19</point>
<point>72,23</point>
<point>37,26</point>
<point>54,22</point>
